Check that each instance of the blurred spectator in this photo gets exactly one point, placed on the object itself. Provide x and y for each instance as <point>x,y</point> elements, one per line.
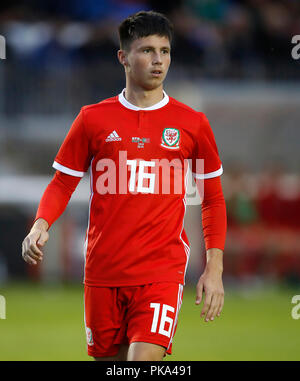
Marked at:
<point>278,198</point>
<point>241,206</point>
<point>263,224</point>
<point>228,39</point>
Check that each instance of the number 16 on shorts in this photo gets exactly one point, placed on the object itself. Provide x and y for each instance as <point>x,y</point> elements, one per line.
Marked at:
<point>164,319</point>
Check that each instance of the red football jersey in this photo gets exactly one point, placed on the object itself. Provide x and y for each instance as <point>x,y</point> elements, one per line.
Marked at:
<point>137,159</point>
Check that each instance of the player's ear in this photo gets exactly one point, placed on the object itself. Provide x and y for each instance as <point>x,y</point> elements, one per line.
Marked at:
<point>122,56</point>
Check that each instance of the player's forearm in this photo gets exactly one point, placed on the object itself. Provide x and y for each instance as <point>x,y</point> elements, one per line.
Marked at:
<point>214,260</point>
<point>214,219</point>
<point>55,198</point>
<point>214,222</point>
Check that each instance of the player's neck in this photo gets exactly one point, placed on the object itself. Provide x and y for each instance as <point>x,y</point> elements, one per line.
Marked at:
<point>143,98</point>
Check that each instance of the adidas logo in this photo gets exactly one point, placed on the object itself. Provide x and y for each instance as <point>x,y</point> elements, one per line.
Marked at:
<point>113,137</point>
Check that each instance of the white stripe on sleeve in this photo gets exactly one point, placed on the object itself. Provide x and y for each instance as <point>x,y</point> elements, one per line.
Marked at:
<point>210,175</point>
<point>67,170</point>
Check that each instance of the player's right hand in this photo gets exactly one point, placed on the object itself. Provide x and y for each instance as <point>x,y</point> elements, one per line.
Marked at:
<point>32,244</point>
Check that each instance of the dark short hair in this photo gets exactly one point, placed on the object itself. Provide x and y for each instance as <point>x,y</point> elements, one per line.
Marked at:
<point>143,24</point>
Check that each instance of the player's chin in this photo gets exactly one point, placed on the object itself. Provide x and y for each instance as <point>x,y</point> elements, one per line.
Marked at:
<point>153,83</point>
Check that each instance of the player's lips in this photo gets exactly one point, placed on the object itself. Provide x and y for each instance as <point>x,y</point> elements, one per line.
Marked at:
<point>156,73</point>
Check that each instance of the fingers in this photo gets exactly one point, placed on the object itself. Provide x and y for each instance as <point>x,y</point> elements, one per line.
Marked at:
<point>199,293</point>
<point>212,307</point>
<point>29,255</point>
<point>30,251</point>
<point>220,306</point>
<point>206,305</point>
<point>212,311</point>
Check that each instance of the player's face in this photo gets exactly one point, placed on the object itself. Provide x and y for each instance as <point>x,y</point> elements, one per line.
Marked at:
<point>148,61</point>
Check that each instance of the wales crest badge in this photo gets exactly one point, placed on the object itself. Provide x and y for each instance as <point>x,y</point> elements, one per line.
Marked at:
<point>170,138</point>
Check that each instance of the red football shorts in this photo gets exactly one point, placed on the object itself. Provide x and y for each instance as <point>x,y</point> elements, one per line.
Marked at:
<point>122,315</point>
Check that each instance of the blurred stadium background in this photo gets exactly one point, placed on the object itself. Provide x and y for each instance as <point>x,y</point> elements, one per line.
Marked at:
<point>232,60</point>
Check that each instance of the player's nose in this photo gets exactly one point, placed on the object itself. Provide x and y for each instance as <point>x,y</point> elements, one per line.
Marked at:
<point>157,59</point>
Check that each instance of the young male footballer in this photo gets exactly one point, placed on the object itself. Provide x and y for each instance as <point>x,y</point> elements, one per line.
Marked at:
<point>136,250</point>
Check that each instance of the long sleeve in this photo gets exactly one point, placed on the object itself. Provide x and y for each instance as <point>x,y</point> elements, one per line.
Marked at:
<point>214,219</point>
<point>56,197</point>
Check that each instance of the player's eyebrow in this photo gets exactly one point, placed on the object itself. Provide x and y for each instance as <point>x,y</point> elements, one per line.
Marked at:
<point>153,48</point>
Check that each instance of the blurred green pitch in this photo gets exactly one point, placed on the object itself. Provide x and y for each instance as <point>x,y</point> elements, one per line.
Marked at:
<point>46,323</point>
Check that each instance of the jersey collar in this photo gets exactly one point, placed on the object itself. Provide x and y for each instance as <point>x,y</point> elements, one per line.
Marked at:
<point>156,106</point>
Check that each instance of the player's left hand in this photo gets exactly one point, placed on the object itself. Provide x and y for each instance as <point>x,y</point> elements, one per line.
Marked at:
<point>210,284</point>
